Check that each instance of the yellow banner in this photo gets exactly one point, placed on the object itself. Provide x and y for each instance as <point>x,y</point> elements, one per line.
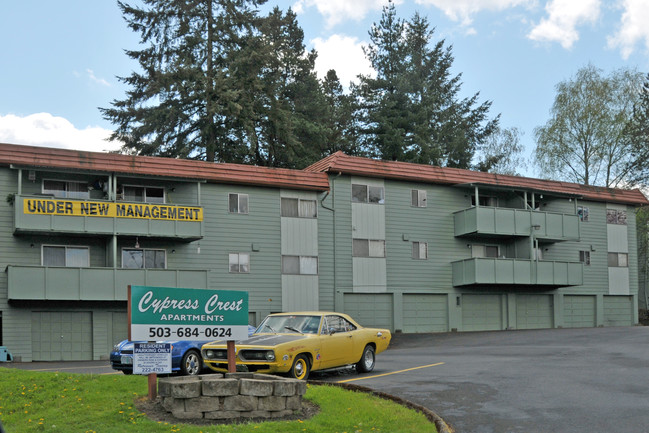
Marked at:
<point>111,209</point>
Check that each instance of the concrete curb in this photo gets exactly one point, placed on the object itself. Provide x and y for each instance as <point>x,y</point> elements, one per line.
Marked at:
<point>441,425</point>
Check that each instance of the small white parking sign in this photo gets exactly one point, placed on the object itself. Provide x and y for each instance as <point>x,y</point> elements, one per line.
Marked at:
<point>151,358</point>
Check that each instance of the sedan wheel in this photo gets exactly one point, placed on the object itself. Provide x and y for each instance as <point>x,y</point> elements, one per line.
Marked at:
<point>191,364</point>
<point>301,368</point>
<point>366,364</point>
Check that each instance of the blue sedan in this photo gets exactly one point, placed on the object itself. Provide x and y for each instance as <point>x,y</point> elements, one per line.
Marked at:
<point>185,357</point>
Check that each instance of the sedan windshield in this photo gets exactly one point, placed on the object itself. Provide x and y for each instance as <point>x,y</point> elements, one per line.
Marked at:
<point>297,324</point>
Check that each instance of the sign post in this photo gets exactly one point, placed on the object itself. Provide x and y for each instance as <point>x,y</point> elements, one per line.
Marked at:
<point>165,314</point>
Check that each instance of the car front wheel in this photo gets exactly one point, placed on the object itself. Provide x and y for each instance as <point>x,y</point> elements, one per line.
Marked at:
<point>191,363</point>
<point>301,368</point>
<point>366,364</point>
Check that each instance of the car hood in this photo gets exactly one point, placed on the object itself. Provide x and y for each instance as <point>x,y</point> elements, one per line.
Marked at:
<point>269,340</point>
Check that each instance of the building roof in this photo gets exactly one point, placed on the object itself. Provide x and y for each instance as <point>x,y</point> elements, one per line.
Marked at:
<point>352,165</point>
<point>74,160</point>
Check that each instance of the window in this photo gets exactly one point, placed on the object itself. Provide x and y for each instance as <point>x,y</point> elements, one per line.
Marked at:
<point>368,248</point>
<point>239,263</point>
<point>238,203</point>
<point>418,197</point>
<point>75,257</point>
<point>618,260</point>
<point>485,200</point>
<point>584,257</point>
<point>614,216</point>
<point>297,207</point>
<point>66,189</point>
<point>420,250</point>
<point>134,258</point>
<point>299,265</point>
<point>368,194</point>
<point>144,194</point>
<point>485,251</point>
<point>334,324</point>
<point>582,213</point>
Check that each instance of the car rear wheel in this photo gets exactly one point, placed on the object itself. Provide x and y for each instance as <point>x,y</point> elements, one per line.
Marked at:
<point>366,364</point>
<point>191,363</point>
<point>301,368</point>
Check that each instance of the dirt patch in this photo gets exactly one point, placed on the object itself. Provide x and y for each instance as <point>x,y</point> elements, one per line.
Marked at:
<point>154,411</point>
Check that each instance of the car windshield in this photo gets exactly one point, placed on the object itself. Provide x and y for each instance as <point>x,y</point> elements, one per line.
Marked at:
<point>302,324</point>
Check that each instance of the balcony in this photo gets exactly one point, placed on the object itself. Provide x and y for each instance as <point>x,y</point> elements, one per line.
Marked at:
<point>45,215</point>
<point>492,221</point>
<point>93,284</point>
<point>517,272</point>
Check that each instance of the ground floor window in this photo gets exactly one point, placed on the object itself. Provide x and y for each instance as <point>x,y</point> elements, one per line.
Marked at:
<point>70,256</point>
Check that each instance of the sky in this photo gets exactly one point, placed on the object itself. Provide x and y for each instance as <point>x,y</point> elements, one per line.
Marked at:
<point>59,61</point>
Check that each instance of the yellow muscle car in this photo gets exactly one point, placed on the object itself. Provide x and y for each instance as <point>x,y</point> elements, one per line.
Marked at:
<point>298,343</point>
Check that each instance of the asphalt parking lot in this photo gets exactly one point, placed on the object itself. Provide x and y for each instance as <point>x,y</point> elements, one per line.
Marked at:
<point>556,380</point>
<point>586,380</point>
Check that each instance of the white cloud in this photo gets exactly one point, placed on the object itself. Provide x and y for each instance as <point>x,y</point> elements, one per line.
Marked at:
<point>44,129</point>
<point>336,11</point>
<point>633,27</point>
<point>91,75</point>
<point>563,18</point>
<point>342,53</point>
<point>463,10</point>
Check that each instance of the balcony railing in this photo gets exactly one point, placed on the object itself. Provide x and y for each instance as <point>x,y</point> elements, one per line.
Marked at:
<point>493,221</point>
<point>39,214</point>
<point>93,284</point>
<point>517,272</point>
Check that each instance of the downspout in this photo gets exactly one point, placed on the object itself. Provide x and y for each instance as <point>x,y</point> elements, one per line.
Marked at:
<point>333,210</point>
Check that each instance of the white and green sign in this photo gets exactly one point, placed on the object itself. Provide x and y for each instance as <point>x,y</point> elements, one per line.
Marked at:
<point>165,313</point>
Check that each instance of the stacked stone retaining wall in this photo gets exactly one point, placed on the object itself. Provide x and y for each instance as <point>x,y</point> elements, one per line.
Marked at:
<point>233,395</point>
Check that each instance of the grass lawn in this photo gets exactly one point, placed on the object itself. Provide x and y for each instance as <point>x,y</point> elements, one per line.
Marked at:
<point>71,403</point>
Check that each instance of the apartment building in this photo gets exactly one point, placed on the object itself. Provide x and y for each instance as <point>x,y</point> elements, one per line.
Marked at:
<point>410,247</point>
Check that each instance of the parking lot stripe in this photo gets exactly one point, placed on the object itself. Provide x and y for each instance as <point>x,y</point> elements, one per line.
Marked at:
<point>388,374</point>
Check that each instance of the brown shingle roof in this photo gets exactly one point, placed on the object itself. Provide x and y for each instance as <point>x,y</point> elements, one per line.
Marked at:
<point>45,157</point>
<point>341,163</point>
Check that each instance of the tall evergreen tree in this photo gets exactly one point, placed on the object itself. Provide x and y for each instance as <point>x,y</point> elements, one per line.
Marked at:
<point>341,129</point>
<point>383,108</point>
<point>182,101</point>
<point>412,109</point>
<point>281,98</point>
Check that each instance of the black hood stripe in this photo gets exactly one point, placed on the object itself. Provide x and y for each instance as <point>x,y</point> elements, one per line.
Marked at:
<point>270,340</point>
